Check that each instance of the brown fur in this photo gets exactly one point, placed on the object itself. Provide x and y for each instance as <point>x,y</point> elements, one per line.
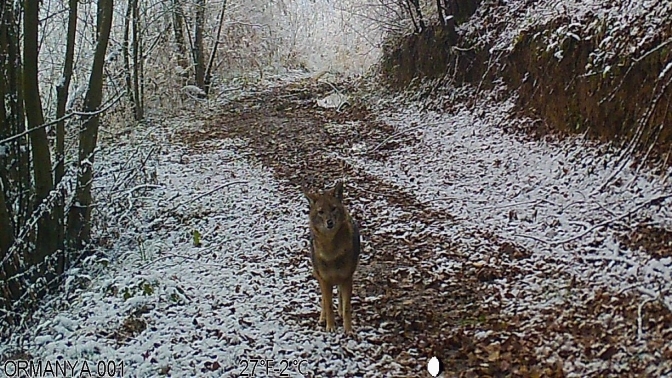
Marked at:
<point>334,247</point>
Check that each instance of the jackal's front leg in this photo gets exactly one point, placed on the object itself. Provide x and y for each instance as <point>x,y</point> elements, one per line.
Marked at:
<point>327,313</point>
<point>322,306</point>
<point>339,305</point>
<point>345,296</point>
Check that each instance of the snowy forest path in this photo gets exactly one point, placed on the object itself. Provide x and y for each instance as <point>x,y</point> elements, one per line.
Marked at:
<point>402,285</point>
<point>439,277</point>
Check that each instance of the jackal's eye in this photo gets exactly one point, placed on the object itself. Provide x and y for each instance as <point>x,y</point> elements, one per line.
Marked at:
<point>333,208</point>
<point>321,212</point>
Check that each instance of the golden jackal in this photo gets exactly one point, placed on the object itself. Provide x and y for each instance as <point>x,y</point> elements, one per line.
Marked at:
<point>334,252</point>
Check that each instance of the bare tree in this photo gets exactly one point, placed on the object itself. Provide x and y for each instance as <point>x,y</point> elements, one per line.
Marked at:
<point>126,54</point>
<point>9,266</point>
<point>441,11</point>
<point>7,236</point>
<point>62,90</point>
<point>14,168</point>
<point>132,36</point>
<point>208,72</point>
<point>137,64</point>
<point>46,233</point>
<point>79,218</point>
<point>178,30</point>
<point>11,114</point>
<point>199,56</point>
<point>15,172</point>
<point>446,10</point>
<point>413,7</point>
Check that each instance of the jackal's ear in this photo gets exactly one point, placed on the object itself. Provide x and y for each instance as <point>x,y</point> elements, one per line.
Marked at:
<point>338,190</point>
<point>312,197</point>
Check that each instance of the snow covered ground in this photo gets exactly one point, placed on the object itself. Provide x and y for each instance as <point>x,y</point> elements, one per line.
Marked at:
<point>165,306</point>
<point>565,201</point>
<point>544,196</point>
<point>470,197</point>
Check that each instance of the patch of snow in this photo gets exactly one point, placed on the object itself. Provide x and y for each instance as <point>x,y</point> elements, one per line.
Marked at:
<point>333,101</point>
<point>234,300</point>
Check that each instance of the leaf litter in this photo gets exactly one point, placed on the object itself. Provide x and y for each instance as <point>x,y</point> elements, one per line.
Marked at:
<point>481,247</point>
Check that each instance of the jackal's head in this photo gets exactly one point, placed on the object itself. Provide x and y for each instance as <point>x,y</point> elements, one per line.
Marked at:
<point>327,212</point>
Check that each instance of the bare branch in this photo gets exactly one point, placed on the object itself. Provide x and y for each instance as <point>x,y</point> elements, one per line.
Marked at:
<point>69,115</point>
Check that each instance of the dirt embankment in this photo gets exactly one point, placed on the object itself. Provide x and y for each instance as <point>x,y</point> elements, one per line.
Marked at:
<point>604,70</point>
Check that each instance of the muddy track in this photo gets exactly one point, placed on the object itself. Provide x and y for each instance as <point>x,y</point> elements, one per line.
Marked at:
<point>423,311</point>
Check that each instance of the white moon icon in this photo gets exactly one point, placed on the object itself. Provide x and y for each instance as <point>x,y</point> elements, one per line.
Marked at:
<point>434,366</point>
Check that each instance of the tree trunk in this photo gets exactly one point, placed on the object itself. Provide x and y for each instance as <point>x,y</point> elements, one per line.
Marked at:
<point>211,61</point>
<point>418,11</point>
<point>62,90</point>
<point>79,218</point>
<point>126,56</point>
<point>407,3</point>
<point>15,172</point>
<point>132,75</point>
<point>46,232</point>
<point>178,23</point>
<point>18,159</point>
<point>7,234</point>
<point>440,12</point>
<point>7,269</point>
<point>138,112</point>
<point>6,159</point>
<point>199,62</point>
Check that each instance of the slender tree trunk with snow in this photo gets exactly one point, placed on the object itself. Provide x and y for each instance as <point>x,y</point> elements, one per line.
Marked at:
<point>9,268</point>
<point>211,61</point>
<point>6,126</point>
<point>46,232</point>
<point>15,175</point>
<point>126,54</point>
<point>138,112</point>
<point>178,30</point>
<point>414,9</point>
<point>199,56</point>
<point>79,218</point>
<point>133,73</point>
<point>7,234</point>
<point>62,90</point>
<point>440,11</point>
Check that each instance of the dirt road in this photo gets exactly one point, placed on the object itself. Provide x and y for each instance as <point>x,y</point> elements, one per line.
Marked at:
<point>500,254</point>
